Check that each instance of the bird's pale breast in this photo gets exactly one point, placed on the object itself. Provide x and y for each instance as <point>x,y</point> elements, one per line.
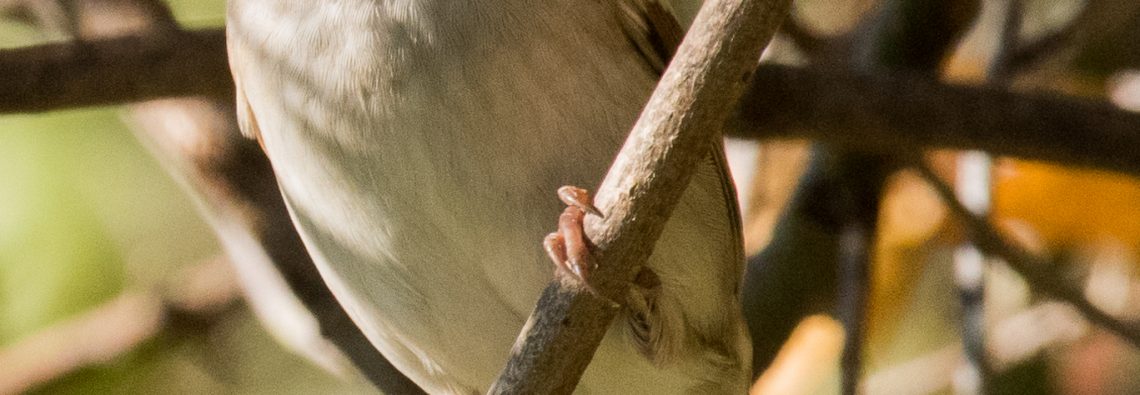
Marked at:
<point>419,146</point>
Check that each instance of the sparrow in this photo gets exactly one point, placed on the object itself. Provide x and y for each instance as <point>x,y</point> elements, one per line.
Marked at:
<point>418,145</point>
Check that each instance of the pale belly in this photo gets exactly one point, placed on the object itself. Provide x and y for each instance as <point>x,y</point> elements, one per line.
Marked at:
<point>423,188</point>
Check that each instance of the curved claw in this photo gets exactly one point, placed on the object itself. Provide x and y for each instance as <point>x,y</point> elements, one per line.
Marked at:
<point>578,197</point>
<point>577,252</point>
<point>555,246</point>
<point>568,248</point>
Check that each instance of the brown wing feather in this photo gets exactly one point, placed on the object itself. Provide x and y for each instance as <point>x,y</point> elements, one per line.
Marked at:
<point>653,30</point>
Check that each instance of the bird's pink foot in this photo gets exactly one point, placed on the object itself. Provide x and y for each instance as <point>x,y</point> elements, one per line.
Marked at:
<point>568,247</point>
<point>578,197</point>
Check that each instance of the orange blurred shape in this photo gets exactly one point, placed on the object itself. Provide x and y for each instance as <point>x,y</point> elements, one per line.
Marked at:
<point>1067,207</point>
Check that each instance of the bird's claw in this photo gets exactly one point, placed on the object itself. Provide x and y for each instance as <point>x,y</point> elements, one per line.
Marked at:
<point>568,247</point>
<point>578,197</point>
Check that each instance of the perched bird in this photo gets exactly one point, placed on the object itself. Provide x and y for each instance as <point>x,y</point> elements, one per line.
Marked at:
<point>418,145</point>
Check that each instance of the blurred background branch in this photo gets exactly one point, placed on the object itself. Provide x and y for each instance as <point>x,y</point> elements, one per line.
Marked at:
<point>1033,269</point>
<point>198,141</point>
<point>207,295</point>
<point>886,112</point>
<point>1071,61</point>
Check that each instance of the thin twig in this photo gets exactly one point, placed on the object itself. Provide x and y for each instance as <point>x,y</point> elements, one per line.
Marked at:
<point>854,287</point>
<point>1027,56</point>
<point>991,241</point>
<point>974,186</point>
<point>117,327</point>
<point>684,115</point>
<point>1048,324</point>
<point>1001,68</point>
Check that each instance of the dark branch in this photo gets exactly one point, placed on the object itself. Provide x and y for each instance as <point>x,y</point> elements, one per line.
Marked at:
<point>885,112</point>
<point>1001,69</point>
<point>901,112</point>
<point>114,71</point>
<point>851,302</point>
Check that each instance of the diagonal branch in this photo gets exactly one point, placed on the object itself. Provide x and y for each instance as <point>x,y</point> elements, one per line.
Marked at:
<point>992,242</point>
<point>1026,56</point>
<point>690,105</point>
<point>119,326</point>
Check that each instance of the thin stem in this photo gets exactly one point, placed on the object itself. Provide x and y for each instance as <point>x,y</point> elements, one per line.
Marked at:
<point>854,282</point>
<point>970,276</point>
<point>991,241</point>
<point>1027,56</point>
<point>974,189</point>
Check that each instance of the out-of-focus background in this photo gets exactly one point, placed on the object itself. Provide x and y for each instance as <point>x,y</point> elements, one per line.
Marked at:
<point>111,283</point>
<point>93,234</point>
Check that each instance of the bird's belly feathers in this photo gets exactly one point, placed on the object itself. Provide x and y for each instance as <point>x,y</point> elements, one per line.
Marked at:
<point>423,188</point>
<point>438,244</point>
